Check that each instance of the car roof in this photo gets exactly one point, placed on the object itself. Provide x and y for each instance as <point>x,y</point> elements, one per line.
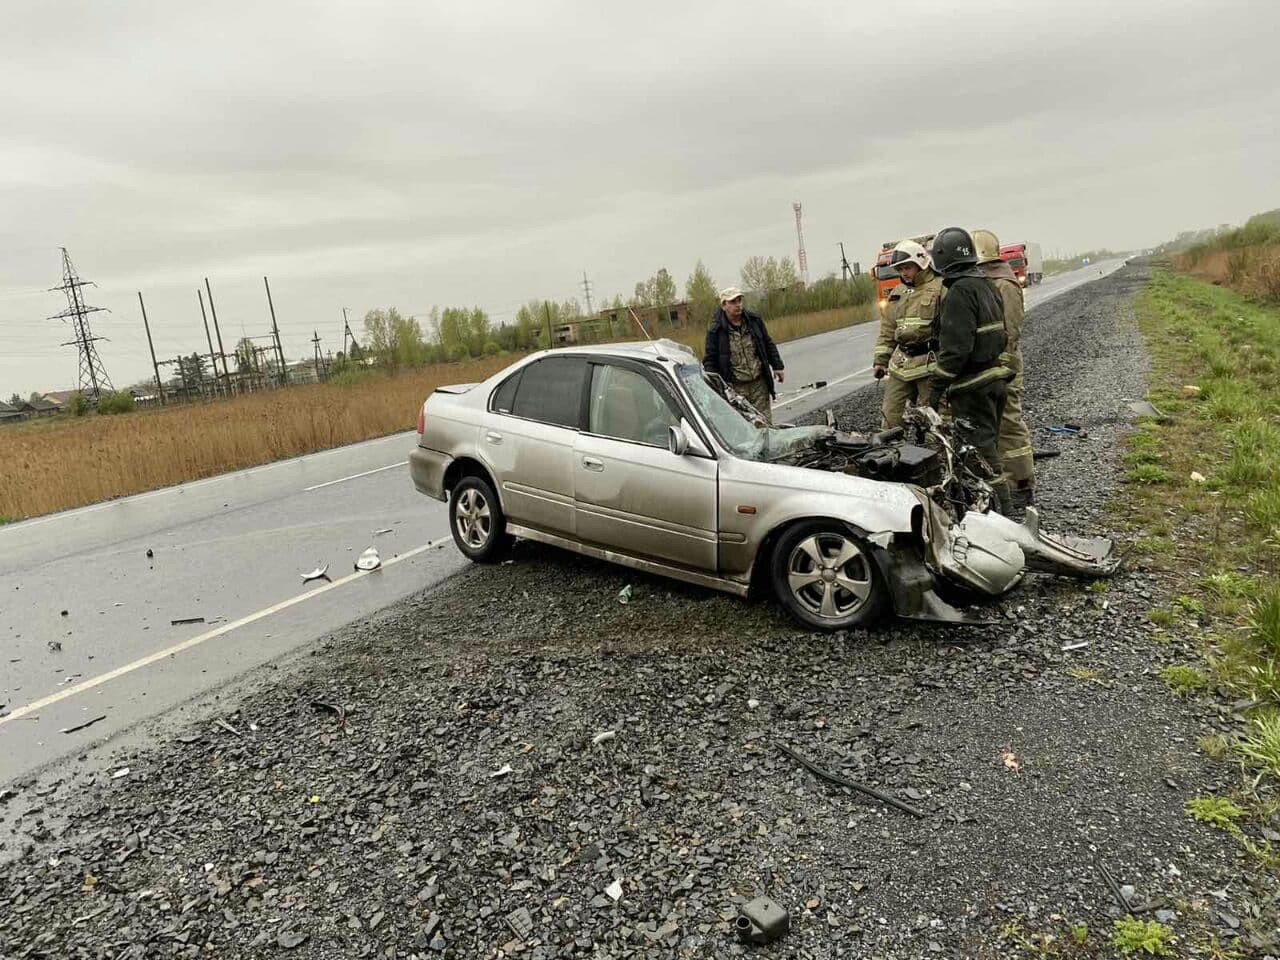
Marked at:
<point>663,349</point>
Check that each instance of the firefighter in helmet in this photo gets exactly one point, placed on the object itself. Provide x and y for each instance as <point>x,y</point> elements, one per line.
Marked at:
<point>904,355</point>
<point>1015,438</point>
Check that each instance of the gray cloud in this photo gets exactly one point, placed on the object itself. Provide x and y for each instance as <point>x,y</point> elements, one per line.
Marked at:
<point>367,154</point>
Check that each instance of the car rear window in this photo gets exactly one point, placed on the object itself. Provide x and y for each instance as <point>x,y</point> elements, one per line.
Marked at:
<point>551,391</point>
<point>504,397</point>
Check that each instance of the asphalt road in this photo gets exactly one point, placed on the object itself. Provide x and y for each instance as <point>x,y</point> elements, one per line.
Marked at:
<point>86,623</point>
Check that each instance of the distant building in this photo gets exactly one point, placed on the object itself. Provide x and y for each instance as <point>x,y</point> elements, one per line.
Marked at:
<point>9,413</point>
<point>40,407</point>
<point>60,397</point>
<point>653,319</point>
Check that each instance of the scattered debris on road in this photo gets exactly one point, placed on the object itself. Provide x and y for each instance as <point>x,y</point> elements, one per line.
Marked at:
<point>65,612</point>
<point>378,533</point>
<point>625,594</point>
<point>55,646</point>
<point>504,771</point>
<point>1010,760</point>
<point>1197,477</point>
<point>761,921</point>
<point>150,553</point>
<point>851,784</point>
<point>1075,646</point>
<point>184,621</point>
<point>319,573</point>
<point>614,890</point>
<point>122,772</point>
<point>1146,410</point>
<point>80,726</point>
<point>602,737</point>
<point>369,560</point>
<point>1116,891</point>
<point>228,727</point>
<point>337,709</point>
<point>1191,390</point>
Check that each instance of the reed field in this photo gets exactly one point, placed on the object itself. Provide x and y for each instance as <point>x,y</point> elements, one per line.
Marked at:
<point>64,462</point>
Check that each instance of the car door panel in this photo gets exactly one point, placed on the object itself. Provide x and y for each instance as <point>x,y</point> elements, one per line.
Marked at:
<point>632,494</point>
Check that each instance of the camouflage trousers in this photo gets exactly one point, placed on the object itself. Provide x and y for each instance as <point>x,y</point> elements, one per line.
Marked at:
<point>896,394</point>
<point>756,393</point>
<point>1015,441</point>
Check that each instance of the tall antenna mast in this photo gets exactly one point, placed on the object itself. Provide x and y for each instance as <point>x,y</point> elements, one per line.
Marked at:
<point>92,380</point>
<point>804,260</point>
<point>586,289</point>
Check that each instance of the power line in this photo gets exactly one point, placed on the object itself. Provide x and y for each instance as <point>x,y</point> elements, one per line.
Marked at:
<point>586,289</point>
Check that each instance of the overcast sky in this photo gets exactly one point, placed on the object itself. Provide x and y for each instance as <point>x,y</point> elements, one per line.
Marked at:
<point>367,154</point>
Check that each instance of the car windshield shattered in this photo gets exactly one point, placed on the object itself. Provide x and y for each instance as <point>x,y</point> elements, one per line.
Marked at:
<point>735,431</point>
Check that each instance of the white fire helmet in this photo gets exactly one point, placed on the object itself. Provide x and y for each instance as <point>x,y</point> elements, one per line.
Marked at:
<point>908,251</point>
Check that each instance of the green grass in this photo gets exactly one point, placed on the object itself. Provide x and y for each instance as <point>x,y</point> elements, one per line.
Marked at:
<point>1213,745</point>
<point>1216,811</point>
<point>1260,746</point>
<point>1148,938</point>
<point>1148,474</point>
<point>1161,617</point>
<point>1184,680</point>
<point>1190,604</point>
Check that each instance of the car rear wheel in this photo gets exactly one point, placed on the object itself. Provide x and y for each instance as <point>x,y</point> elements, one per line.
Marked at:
<point>826,578</point>
<point>476,519</point>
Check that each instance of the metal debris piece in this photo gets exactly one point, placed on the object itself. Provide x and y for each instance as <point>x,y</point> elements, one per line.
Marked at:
<point>1114,887</point>
<point>88,723</point>
<point>521,923</point>
<point>624,595</point>
<point>55,646</point>
<point>337,709</point>
<point>319,573</point>
<point>1075,646</point>
<point>761,921</point>
<point>505,770</point>
<point>183,621</point>
<point>614,890</point>
<point>369,560</point>
<point>602,736</point>
<point>1146,410</point>
<point>228,727</point>
<point>852,785</point>
<point>122,772</point>
<point>378,533</point>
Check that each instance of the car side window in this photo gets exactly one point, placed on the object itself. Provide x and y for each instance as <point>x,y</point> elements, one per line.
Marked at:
<point>504,398</point>
<point>551,391</point>
<point>626,406</point>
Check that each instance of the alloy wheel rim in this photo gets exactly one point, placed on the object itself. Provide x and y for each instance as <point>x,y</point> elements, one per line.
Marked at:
<point>473,519</point>
<point>829,575</point>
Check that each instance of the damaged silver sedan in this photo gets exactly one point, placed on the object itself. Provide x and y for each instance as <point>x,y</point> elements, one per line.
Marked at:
<point>632,453</point>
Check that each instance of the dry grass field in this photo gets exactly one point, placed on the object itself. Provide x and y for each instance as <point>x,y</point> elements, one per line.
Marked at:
<point>66,462</point>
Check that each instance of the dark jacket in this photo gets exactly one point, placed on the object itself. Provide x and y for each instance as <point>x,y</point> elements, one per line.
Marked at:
<point>971,335</point>
<point>717,360</point>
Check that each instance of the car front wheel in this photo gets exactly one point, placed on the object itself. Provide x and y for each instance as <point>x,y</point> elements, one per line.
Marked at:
<point>826,578</point>
<point>476,519</point>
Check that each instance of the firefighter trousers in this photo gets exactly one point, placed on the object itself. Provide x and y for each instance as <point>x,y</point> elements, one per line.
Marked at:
<point>982,408</point>
<point>896,394</point>
<point>1015,441</point>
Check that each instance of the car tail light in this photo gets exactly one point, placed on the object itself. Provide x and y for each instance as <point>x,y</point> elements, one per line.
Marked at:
<point>422,419</point>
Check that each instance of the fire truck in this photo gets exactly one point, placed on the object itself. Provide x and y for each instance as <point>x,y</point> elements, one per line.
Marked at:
<point>1025,261</point>
<point>886,278</point>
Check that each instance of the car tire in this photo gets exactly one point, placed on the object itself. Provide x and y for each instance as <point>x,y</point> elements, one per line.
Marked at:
<point>826,578</point>
<point>476,520</point>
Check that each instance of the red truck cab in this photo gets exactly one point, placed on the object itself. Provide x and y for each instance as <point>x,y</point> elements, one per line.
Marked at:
<point>1015,255</point>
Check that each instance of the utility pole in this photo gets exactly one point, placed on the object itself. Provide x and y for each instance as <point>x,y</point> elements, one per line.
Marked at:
<point>275,331</point>
<point>319,360</point>
<point>586,289</point>
<point>226,374</point>
<point>150,346</point>
<point>546,310</point>
<point>92,374</point>
<point>204,316</point>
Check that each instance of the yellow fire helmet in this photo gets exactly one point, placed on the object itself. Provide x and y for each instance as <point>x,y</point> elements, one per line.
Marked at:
<point>988,245</point>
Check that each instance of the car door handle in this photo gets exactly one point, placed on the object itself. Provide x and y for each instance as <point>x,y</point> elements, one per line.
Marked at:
<point>493,437</point>
<point>591,463</point>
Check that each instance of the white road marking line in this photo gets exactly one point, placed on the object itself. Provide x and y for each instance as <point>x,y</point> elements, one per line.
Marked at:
<point>354,476</point>
<point>830,383</point>
<point>226,628</point>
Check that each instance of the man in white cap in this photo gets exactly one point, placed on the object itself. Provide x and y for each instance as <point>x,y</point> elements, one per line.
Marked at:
<point>905,350</point>
<point>740,349</point>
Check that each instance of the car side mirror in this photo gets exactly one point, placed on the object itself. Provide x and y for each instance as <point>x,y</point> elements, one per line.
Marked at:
<point>677,440</point>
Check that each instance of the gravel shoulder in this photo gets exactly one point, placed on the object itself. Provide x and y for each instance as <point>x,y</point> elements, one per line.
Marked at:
<point>430,783</point>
